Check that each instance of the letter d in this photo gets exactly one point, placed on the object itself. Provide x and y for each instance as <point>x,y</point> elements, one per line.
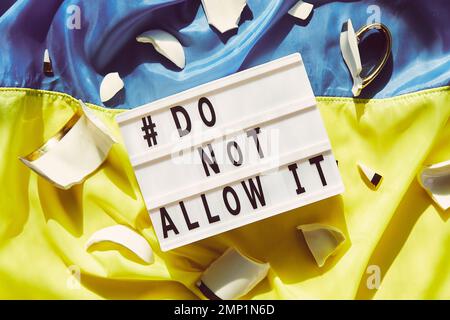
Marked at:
<point>180,110</point>
<point>271,308</point>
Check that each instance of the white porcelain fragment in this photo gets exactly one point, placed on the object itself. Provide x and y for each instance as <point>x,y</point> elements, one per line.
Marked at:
<point>125,237</point>
<point>224,15</point>
<point>76,151</point>
<point>350,53</point>
<point>166,44</point>
<point>231,276</point>
<point>301,10</point>
<point>47,64</point>
<point>323,241</point>
<point>371,175</point>
<point>435,179</point>
<point>110,86</point>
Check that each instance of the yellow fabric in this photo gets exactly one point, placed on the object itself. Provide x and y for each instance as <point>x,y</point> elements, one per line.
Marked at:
<point>396,227</point>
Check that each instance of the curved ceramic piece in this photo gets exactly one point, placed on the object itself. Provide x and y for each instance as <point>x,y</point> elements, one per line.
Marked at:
<point>350,53</point>
<point>301,10</point>
<point>74,152</point>
<point>47,64</point>
<point>231,276</point>
<point>110,86</point>
<point>323,241</point>
<point>125,237</point>
<point>223,15</point>
<point>371,175</point>
<point>166,44</point>
<point>435,179</point>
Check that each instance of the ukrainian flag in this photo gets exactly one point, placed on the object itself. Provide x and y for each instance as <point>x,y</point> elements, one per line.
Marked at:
<point>398,240</point>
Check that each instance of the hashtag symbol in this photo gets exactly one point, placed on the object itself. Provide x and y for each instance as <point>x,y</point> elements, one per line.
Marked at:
<point>149,133</point>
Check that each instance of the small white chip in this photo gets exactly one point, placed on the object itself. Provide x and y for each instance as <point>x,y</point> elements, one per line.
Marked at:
<point>110,86</point>
<point>47,66</point>
<point>231,276</point>
<point>372,176</point>
<point>125,237</point>
<point>301,10</point>
<point>224,15</point>
<point>323,241</point>
<point>166,44</point>
<point>435,179</point>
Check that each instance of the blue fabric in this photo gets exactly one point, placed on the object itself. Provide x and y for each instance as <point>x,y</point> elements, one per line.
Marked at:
<point>106,43</point>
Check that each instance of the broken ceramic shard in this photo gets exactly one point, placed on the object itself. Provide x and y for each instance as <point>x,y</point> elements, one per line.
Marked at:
<point>350,53</point>
<point>231,276</point>
<point>301,10</point>
<point>76,151</point>
<point>435,179</point>
<point>125,237</point>
<point>47,67</point>
<point>373,177</point>
<point>110,86</point>
<point>323,241</point>
<point>223,15</point>
<point>166,44</point>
